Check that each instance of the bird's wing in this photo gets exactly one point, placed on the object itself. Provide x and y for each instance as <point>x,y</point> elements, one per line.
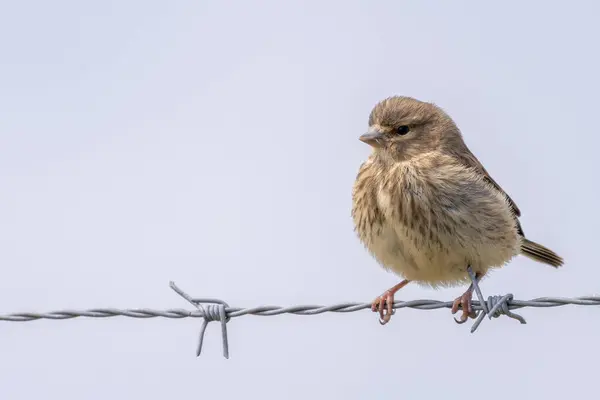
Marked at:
<point>469,160</point>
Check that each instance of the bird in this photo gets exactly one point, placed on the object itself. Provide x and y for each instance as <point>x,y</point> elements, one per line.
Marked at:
<point>427,210</point>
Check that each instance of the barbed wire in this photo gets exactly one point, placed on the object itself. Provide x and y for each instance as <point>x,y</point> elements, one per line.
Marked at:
<point>217,310</point>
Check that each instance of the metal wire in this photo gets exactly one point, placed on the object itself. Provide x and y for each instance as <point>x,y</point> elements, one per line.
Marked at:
<point>267,311</point>
<point>217,310</point>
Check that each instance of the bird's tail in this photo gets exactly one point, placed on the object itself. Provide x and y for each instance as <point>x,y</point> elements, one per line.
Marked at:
<point>540,253</point>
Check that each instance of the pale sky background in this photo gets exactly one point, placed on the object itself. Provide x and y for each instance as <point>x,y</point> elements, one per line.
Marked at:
<point>214,143</point>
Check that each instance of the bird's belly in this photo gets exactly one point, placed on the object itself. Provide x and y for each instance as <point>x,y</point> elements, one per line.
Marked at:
<point>443,262</point>
<point>437,219</point>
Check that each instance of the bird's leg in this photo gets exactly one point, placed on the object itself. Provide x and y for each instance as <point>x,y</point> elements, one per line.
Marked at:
<point>464,302</point>
<point>384,304</point>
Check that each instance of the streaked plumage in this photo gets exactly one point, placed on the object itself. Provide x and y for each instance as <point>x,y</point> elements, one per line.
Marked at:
<point>425,207</point>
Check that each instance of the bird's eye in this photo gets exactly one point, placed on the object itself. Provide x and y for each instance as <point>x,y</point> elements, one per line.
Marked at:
<point>403,130</point>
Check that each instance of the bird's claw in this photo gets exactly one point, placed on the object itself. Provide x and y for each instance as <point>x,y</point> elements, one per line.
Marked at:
<point>464,302</point>
<point>384,306</point>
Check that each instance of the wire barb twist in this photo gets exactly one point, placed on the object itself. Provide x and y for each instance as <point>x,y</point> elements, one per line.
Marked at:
<point>215,311</point>
<point>495,305</point>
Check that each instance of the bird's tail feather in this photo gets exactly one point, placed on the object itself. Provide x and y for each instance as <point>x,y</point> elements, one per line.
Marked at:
<point>540,253</point>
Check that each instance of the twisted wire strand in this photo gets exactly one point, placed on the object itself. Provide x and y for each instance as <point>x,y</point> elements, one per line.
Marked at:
<point>218,310</point>
<point>271,310</point>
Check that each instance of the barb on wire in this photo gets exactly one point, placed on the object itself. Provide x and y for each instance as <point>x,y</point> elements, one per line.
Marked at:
<point>215,311</point>
<point>495,305</point>
<point>218,310</point>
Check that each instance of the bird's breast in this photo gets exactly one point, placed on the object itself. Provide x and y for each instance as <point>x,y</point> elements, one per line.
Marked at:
<point>427,224</point>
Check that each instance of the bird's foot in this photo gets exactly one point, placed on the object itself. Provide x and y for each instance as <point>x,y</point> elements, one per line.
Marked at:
<point>384,304</point>
<point>464,302</point>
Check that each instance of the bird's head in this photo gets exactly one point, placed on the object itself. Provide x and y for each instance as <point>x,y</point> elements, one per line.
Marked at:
<point>401,128</point>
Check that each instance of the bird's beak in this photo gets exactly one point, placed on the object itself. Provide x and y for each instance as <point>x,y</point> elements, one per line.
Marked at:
<point>372,137</point>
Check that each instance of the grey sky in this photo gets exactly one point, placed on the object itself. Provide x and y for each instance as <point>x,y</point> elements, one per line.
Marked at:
<point>215,144</point>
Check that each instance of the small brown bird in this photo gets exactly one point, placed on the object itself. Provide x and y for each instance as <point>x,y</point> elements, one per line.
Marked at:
<point>426,209</point>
